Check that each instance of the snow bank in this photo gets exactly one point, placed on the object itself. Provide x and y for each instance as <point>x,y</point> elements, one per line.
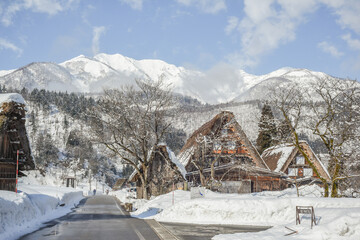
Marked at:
<point>11,97</point>
<point>337,217</point>
<point>35,204</point>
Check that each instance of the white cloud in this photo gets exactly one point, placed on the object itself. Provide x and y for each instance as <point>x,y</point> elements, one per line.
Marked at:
<point>348,12</point>
<point>4,44</point>
<point>266,25</point>
<point>97,31</point>
<point>134,4</point>
<point>86,12</point>
<point>329,48</point>
<point>352,43</point>
<point>50,7</point>
<point>207,6</point>
<point>233,23</point>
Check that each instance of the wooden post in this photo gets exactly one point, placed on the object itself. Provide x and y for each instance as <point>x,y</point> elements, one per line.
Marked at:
<point>17,171</point>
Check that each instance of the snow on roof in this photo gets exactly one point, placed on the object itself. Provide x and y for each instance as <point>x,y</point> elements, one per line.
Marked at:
<point>284,150</point>
<point>11,97</point>
<point>321,163</point>
<point>184,156</point>
<point>174,159</point>
<point>285,154</point>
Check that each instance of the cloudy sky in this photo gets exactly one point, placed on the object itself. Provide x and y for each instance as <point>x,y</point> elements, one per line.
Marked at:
<point>258,36</point>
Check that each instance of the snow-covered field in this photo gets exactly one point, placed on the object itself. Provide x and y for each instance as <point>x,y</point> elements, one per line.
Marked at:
<point>34,204</point>
<point>337,218</point>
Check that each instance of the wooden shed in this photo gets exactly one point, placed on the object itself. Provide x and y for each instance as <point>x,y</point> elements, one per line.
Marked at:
<point>223,144</point>
<point>286,158</point>
<point>13,138</point>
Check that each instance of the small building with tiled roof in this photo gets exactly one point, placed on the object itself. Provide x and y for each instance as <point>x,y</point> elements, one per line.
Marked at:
<point>286,158</point>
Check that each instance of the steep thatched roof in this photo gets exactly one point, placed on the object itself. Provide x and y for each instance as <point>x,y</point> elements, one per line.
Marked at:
<point>13,136</point>
<point>279,157</point>
<point>169,158</point>
<point>225,117</point>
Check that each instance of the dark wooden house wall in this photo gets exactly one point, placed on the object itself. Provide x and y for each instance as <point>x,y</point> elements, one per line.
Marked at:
<point>260,181</point>
<point>13,138</point>
<point>7,176</point>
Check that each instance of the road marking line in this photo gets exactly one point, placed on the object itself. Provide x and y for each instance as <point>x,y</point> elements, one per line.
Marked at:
<point>118,207</point>
<point>160,230</point>
<point>141,237</point>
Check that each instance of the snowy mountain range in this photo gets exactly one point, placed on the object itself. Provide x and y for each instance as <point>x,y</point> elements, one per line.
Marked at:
<point>91,75</point>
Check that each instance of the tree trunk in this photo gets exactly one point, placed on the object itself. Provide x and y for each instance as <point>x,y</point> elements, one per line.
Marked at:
<point>213,171</point>
<point>334,180</point>
<point>202,178</point>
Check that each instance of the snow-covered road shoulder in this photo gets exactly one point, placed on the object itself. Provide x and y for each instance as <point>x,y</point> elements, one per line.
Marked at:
<point>339,218</point>
<point>34,204</point>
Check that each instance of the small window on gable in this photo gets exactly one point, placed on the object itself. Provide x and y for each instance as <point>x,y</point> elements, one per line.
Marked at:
<point>292,172</point>
<point>300,160</point>
<point>224,132</point>
<point>231,145</point>
<point>217,146</point>
<point>308,172</point>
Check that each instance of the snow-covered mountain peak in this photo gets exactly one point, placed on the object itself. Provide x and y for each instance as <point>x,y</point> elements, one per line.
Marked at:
<point>220,84</point>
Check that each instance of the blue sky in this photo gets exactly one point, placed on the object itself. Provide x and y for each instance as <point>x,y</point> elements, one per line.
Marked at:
<point>258,36</point>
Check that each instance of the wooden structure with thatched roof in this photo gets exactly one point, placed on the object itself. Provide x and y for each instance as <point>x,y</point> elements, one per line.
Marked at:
<point>286,158</point>
<point>119,184</point>
<point>221,146</point>
<point>13,138</point>
<point>164,172</point>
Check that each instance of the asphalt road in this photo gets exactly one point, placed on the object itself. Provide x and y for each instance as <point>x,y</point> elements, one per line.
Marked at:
<point>206,231</point>
<point>98,217</point>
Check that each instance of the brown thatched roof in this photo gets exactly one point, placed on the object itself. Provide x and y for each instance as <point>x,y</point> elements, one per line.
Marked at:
<point>169,157</point>
<point>13,136</point>
<point>214,125</point>
<point>279,157</point>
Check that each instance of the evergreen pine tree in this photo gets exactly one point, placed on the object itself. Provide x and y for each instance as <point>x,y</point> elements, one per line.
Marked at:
<point>267,129</point>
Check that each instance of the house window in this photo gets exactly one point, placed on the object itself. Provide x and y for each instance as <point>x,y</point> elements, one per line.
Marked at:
<point>231,145</point>
<point>224,132</point>
<point>308,172</point>
<point>300,160</point>
<point>293,172</point>
<point>217,146</point>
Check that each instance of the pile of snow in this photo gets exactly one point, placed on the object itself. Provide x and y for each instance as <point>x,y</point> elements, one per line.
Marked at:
<point>11,97</point>
<point>337,217</point>
<point>35,204</point>
<point>128,195</point>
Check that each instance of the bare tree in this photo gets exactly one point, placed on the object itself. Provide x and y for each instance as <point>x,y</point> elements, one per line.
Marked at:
<point>334,118</point>
<point>131,122</point>
<point>199,159</point>
<point>289,100</point>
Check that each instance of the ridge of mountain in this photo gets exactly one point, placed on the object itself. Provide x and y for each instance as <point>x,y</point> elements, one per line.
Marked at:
<point>92,74</point>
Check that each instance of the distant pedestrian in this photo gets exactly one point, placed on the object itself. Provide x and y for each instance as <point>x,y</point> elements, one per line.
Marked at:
<point>94,192</point>
<point>107,191</point>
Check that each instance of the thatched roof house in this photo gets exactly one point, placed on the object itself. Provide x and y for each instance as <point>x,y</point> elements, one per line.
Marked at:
<point>164,172</point>
<point>119,184</point>
<point>286,158</point>
<point>232,156</point>
<point>226,125</point>
<point>13,138</point>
